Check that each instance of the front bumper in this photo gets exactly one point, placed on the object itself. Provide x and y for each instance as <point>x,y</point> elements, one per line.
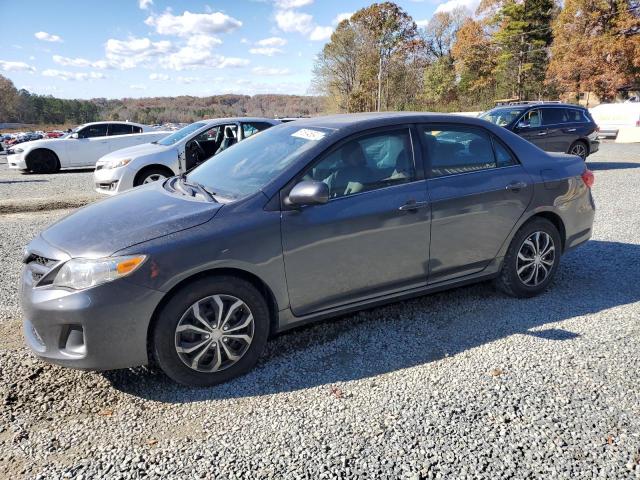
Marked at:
<point>101,328</point>
<point>111,181</point>
<point>17,161</point>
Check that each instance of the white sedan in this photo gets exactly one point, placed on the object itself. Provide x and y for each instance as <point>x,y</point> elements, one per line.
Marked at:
<point>174,154</point>
<point>80,149</point>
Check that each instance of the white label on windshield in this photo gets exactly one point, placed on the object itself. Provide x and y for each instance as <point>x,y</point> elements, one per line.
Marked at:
<point>308,134</point>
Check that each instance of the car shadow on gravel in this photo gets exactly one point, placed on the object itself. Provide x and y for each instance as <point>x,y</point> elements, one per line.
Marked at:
<point>597,276</point>
<point>612,165</point>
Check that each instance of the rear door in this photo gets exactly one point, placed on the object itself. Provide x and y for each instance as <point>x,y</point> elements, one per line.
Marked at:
<point>559,134</point>
<point>371,238</point>
<point>478,191</point>
<point>530,127</point>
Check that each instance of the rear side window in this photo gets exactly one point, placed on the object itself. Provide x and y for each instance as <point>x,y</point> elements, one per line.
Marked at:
<point>553,116</point>
<point>504,158</point>
<point>574,115</point>
<point>119,129</point>
<point>458,149</point>
<point>252,128</point>
<point>135,129</point>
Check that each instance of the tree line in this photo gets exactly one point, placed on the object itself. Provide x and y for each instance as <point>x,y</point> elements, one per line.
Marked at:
<point>379,59</point>
<point>21,106</point>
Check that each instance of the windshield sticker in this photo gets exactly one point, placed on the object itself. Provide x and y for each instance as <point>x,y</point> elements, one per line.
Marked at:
<point>307,134</point>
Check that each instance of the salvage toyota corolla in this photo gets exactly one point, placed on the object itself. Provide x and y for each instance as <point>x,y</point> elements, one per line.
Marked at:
<point>307,220</point>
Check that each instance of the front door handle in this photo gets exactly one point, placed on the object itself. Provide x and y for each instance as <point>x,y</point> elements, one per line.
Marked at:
<point>570,130</point>
<point>412,205</point>
<point>540,134</point>
<point>516,186</point>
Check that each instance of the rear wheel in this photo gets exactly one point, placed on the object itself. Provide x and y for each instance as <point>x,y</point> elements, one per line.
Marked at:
<point>43,161</point>
<point>211,331</point>
<point>532,259</point>
<point>151,175</point>
<point>579,148</point>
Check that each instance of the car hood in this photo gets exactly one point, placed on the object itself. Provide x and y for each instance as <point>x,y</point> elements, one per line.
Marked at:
<point>43,142</point>
<point>133,217</point>
<point>135,151</point>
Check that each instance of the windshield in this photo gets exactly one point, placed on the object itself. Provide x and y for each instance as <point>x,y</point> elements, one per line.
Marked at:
<point>502,116</point>
<point>251,164</point>
<point>180,134</point>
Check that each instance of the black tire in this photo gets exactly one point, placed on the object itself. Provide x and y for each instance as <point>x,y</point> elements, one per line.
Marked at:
<point>145,173</point>
<point>509,281</point>
<point>43,161</point>
<point>580,148</point>
<point>163,337</point>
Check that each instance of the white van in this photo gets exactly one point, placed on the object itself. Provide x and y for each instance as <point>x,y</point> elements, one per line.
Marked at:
<point>610,117</point>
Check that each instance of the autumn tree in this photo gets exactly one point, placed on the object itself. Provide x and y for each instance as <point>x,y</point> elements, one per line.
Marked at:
<point>596,47</point>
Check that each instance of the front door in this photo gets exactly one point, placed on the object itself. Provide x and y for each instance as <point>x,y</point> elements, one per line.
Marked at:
<point>530,127</point>
<point>371,237</point>
<point>91,144</point>
<point>478,191</point>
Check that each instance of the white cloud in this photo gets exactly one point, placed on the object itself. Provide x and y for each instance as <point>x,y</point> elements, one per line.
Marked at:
<point>450,5</point>
<point>16,66</point>
<point>270,71</point>
<point>190,57</point>
<point>232,62</point>
<point>272,42</point>
<point>138,86</point>
<point>287,4</point>
<point>290,21</point>
<point>321,33</point>
<point>79,62</point>
<point>268,51</point>
<point>423,23</point>
<point>79,76</point>
<point>145,4</point>
<point>188,80</point>
<point>203,41</point>
<point>159,76</point>
<point>47,37</point>
<point>189,23</point>
<point>130,53</point>
<point>342,16</point>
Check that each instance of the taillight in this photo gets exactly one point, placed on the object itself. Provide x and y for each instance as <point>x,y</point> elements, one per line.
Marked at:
<point>638,123</point>
<point>588,178</point>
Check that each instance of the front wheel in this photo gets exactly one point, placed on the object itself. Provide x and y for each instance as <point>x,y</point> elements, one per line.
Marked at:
<point>532,259</point>
<point>211,331</point>
<point>151,175</point>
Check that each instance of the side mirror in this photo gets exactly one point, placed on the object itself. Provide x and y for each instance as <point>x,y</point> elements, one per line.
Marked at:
<point>74,135</point>
<point>522,125</point>
<point>309,193</point>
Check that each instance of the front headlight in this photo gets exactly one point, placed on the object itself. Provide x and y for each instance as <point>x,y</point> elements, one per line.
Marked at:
<point>81,273</point>
<point>117,163</point>
<point>16,150</point>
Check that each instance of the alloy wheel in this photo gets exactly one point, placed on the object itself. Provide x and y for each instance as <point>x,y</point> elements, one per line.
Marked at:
<point>579,149</point>
<point>154,177</point>
<point>536,258</point>
<point>214,333</point>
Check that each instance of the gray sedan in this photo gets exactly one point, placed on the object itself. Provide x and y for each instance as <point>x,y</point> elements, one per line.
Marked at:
<point>305,221</point>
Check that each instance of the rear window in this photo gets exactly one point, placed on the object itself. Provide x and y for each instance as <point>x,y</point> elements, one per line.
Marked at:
<point>119,129</point>
<point>553,116</point>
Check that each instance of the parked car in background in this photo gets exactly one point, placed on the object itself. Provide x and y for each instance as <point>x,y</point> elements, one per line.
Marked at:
<point>82,148</point>
<point>552,126</point>
<point>611,117</point>
<point>308,220</point>
<point>174,154</point>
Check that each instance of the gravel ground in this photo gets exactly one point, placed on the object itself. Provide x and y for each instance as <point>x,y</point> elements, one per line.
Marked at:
<point>462,384</point>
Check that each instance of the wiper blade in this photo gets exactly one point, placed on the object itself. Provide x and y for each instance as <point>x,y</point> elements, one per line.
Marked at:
<point>198,186</point>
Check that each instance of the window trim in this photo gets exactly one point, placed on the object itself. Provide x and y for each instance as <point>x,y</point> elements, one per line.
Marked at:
<point>417,162</point>
<point>492,138</point>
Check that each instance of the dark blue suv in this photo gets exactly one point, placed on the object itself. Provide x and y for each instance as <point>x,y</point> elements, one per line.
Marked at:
<point>552,126</point>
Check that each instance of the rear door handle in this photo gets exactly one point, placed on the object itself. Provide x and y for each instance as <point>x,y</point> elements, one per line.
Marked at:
<point>412,205</point>
<point>516,186</point>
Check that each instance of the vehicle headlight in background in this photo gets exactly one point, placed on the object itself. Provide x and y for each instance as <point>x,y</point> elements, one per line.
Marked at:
<point>80,273</point>
<point>15,150</point>
<point>117,163</point>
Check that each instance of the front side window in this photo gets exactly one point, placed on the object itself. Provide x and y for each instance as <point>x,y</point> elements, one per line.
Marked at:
<point>91,131</point>
<point>553,116</point>
<point>119,129</point>
<point>531,119</point>
<point>367,163</point>
<point>457,149</point>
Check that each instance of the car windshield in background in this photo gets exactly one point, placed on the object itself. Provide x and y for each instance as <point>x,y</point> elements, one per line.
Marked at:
<point>250,165</point>
<point>180,134</point>
<point>502,116</point>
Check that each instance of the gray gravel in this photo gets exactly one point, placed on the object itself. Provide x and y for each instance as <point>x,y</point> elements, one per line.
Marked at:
<point>462,384</point>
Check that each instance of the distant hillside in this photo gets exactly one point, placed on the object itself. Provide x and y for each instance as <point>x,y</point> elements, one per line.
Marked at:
<point>21,106</point>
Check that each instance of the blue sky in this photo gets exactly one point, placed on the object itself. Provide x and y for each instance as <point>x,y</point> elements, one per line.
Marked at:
<point>140,48</point>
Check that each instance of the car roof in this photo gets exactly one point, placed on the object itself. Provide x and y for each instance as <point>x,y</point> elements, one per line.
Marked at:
<point>362,121</point>
<point>530,106</point>
<point>115,121</point>
<point>240,119</point>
